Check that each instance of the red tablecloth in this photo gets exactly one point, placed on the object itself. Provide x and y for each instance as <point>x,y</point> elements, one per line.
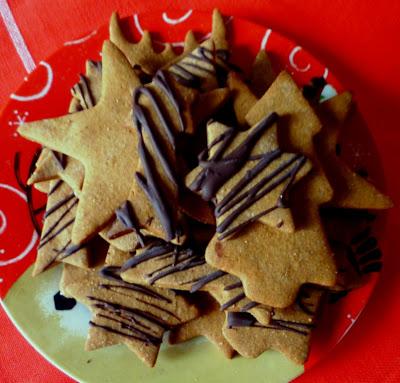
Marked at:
<point>359,40</point>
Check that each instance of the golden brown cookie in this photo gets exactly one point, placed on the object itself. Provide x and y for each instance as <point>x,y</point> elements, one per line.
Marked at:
<point>142,54</point>
<point>55,241</point>
<point>248,176</point>
<point>208,324</point>
<point>126,313</point>
<point>48,166</point>
<point>163,113</point>
<point>207,104</point>
<point>168,266</point>
<point>272,264</point>
<point>288,333</point>
<point>195,207</point>
<point>357,253</point>
<point>86,93</point>
<point>243,98</point>
<point>88,88</point>
<point>262,74</point>
<point>105,130</point>
<point>297,127</point>
<point>351,190</point>
<point>43,186</point>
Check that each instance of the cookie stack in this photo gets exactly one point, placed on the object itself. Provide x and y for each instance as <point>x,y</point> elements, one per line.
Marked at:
<point>185,197</point>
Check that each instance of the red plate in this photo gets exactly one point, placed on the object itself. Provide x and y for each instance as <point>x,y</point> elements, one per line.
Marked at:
<point>46,93</point>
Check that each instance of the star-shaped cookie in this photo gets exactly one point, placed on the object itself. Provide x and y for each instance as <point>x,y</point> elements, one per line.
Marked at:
<point>126,313</point>
<point>242,97</point>
<point>162,115</point>
<point>247,175</point>
<point>85,94</point>
<point>105,130</point>
<point>273,264</point>
<point>56,233</point>
<point>350,189</point>
<point>262,74</point>
<point>208,324</point>
<point>142,54</point>
<point>288,333</point>
<point>169,266</point>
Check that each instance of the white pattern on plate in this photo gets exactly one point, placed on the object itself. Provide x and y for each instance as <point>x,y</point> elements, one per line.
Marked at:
<point>20,118</point>
<point>265,39</point>
<point>140,30</point>
<point>43,92</point>
<point>34,238</point>
<point>292,56</point>
<point>352,322</point>
<point>3,222</point>
<point>178,20</point>
<point>81,40</point>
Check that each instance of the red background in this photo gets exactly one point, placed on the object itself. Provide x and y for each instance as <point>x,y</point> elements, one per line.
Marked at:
<point>359,41</point>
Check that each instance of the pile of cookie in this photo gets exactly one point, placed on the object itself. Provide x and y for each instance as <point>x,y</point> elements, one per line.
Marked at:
<point>185,196</point>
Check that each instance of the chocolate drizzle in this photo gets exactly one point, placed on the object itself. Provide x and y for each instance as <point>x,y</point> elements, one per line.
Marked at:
<point>218,169</point>
<point>55,187</point>
<point>44,241</point>
<point>240,319</point>
<point>112,273</point>
<point>150,182</point>
<point>51,232</point>
<point>168,312</point>
<point>72,249</point>
<point>249,306</point>
<point>59,159</point>
<point>27,189</point>
<point>132,322</point>
<point>63,221</point>
<point>59,204</point>
<point>125,215</point>
<point>363,253</point>
<point>200,283</point>
<point>82,91</point>
<point>196,66</point>
<point>180,259</point>
<point>233,286</point>
<point>233,301</point>
<point>134,312</point>
<point>161,82</point>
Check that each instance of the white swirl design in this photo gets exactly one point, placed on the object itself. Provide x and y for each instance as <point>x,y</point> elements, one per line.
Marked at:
<point>352,322</point>
<point>3,226</point>
<point>34,237</point>
<point>265,39</point>
<point>137,23</point>
<point>43,92</point>
<point>81,40</point>
<point>178,20</point>
<point>140,30</point>
<point>292,57</point>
